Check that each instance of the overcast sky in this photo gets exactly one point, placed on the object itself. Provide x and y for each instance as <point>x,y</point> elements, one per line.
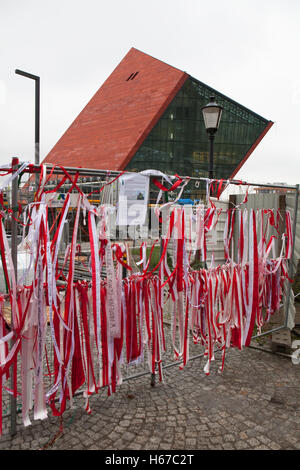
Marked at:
<point>246,49</point>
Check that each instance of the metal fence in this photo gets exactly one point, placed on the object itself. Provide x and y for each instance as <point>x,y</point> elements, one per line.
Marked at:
<point>103,177</point>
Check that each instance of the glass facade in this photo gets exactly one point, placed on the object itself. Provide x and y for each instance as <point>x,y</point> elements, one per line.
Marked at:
<point>179,143</point>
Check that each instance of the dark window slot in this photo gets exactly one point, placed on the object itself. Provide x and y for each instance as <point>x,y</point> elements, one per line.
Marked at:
<point>132,76</point>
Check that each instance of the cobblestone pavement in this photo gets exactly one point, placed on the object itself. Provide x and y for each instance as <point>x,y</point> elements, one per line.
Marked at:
<point>254,404</point>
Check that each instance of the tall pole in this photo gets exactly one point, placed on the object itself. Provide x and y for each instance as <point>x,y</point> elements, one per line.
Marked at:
<point>14,255</point>
<point>37,118</point>
<point>291,261</point>
<point>37,128</point>
<point>211,155</point>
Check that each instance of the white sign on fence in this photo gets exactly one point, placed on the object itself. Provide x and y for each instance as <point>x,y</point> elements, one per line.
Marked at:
<point>58,199</point>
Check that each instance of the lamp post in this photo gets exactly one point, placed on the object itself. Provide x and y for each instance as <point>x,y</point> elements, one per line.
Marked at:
<point>37,117</point>
<point>212,115</point>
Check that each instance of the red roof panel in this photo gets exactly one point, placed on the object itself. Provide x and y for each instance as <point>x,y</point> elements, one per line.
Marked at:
<point>115,122</point>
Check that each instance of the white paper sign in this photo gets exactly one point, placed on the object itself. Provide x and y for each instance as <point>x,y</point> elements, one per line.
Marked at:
<point>133,199</point>
<point>58,199</point>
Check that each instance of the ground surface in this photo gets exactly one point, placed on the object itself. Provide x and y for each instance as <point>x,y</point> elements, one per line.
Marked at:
<point>254,404</point>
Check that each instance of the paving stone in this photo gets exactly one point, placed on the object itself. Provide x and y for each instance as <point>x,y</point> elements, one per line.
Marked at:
<point>34,445</point>
<point>275,446</point>
<point>239,445</point>
<point>227,446</point>
<point>134,446</point>
<point>124,423</point>
<point>191,443</point>
<point>118,444</point>
<point>114,435</point>
<point>264,439</point>
<point>128,436</point>
<point>253,442</point>
<point>229,438</point>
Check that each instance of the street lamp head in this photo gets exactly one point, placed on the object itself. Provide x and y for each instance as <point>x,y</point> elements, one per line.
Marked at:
<point>27,75</point>
<point>212,115</point>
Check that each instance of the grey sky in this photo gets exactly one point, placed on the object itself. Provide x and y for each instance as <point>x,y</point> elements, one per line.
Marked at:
<point>246,49</point>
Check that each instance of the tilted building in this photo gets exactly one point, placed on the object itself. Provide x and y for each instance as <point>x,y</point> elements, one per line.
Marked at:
<point>147,115</point>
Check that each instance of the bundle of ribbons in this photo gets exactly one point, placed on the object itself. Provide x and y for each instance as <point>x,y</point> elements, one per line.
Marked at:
<point>94,327</point>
